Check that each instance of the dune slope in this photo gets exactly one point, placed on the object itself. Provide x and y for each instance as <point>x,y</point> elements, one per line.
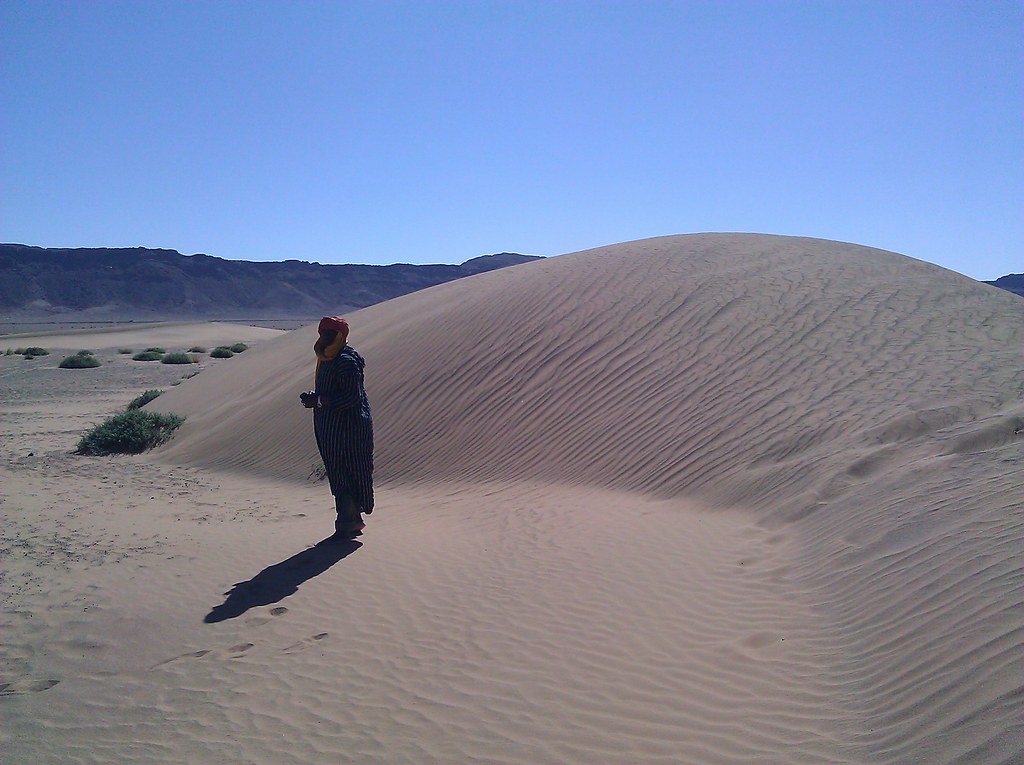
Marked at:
<point>741,368</point>
<point>869,403</point>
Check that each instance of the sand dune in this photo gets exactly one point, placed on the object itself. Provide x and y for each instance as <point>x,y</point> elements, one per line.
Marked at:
<point>697,499</point>
<point>743,369</point>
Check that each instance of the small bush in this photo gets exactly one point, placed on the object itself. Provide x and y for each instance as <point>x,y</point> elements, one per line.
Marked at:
<point>124,350</point>
<point>221,353</point>
<point>85,353</point>
<point>148,356</point>
<point>19,351</point>
<point>155,350</point>
<point>9,352</point>
<point>129,433</point>
<point>177,358</point>
<point>79,361</point>
<point>35,351</point>
<point>238,347</point>
<point>140,401</point>
<point>197,349</point>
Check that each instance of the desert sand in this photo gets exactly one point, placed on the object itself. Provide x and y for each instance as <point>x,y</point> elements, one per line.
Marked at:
<point>175,335</point>
<point>711,498</point>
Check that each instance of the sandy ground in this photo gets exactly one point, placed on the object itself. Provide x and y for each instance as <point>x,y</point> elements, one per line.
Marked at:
<point>49,325</point>
<point>140,599</point>
<point>714,499</point>
<point>175,336</point>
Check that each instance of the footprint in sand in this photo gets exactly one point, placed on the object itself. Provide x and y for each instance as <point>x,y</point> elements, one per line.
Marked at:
<point>236,651</point>
<point>759,640</point>
<point>233,652</point>
<point>266,616</point>
<point>304,644</point>
<point>762,641</point>
<point>25,685</point>
<point>191,655</point>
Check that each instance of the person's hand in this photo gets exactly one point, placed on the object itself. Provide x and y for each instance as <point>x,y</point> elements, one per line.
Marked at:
<point>308,399</point>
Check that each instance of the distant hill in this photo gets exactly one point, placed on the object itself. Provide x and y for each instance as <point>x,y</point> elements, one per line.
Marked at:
<point>150,284</point>
<point>1011,282</point>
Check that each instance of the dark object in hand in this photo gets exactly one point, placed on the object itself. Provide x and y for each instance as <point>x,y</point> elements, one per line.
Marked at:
<point>308,399</point>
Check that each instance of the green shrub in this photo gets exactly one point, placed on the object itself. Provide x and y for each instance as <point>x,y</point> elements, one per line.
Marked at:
<point>124,350</point>
<point>155,350</point>
<point>9,352</point>
<point>35,351</point>
<point>221,353</point>
<point>238,347</point>
<point>129,433</point>
<point>85,353</point>
<point>177,358</point>
<point>140,401</point>
<point>148,356</point>
<point>19,351</point>
<point>79,361</point>
<point>197,349</point>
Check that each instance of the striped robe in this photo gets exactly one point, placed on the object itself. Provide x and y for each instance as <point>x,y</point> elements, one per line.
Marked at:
<point>344,430</point>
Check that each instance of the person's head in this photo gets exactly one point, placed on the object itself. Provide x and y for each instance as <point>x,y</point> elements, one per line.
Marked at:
<point>333,336</point>
<point>331,327</point>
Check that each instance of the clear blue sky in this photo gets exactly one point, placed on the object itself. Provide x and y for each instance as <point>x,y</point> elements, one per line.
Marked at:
<point>436,131</point>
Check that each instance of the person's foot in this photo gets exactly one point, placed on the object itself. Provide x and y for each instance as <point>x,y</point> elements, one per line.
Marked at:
<point>348,532</point>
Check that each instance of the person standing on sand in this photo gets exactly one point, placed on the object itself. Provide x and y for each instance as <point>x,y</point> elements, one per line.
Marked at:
<point>343,425</point>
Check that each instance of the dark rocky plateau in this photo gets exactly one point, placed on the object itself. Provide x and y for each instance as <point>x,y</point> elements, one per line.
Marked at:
<point>140,284</point>
<point>1011,282</point>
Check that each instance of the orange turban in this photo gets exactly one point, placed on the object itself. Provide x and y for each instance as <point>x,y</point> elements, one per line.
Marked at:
<point>325,352</point>
<point>336,323</point>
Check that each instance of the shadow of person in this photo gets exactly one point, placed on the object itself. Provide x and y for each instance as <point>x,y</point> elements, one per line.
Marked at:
<point>277,582</point>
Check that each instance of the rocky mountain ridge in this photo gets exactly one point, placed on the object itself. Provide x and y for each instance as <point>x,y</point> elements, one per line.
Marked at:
<point>1011,282</point>
<point>157,284</point>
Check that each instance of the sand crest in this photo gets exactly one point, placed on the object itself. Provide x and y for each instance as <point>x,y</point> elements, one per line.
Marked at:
<point>695,499</point>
